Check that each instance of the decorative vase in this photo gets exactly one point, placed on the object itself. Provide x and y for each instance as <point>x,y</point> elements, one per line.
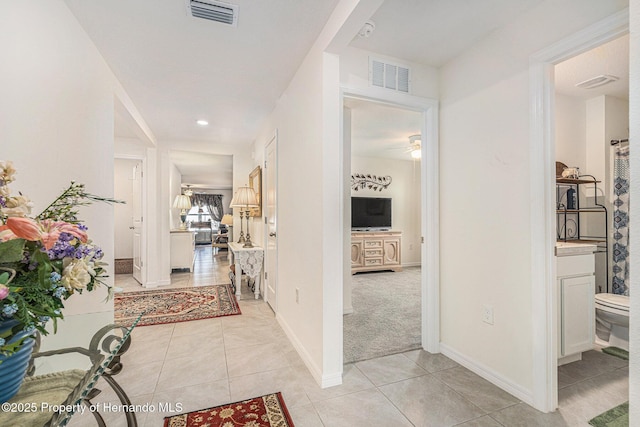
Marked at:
<point>13,368</point>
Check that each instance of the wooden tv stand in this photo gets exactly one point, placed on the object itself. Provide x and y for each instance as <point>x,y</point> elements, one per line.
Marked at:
<point>375,251</point>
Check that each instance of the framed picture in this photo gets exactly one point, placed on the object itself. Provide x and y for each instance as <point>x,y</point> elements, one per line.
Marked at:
<point>255,182</point>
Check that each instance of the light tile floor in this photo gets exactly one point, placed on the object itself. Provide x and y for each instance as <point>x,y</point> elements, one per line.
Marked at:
<point>199,364</point>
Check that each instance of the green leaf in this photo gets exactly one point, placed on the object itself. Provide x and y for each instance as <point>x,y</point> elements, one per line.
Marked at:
<point>11,250</point>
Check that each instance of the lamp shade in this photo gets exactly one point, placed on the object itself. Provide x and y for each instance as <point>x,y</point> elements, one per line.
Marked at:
<point>227,220</point>
<point>245,197</point>
<point>182,202</point>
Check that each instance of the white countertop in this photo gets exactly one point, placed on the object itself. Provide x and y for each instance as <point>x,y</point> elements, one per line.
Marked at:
<point>571,248</point>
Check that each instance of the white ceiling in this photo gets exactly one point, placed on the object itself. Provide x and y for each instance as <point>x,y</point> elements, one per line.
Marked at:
<point>178,69</point>
<point>379,130</point>
<point>611,58</point>
<point>432,32</point>
<point>210,171</point>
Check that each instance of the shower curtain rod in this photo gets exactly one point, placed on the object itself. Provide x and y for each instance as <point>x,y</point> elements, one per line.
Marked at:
<point>618,141</point>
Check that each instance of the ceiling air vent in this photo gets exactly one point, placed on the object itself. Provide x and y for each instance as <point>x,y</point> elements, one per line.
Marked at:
<point>389,76</point>
<point>214,11</point>
<point>600,80</point>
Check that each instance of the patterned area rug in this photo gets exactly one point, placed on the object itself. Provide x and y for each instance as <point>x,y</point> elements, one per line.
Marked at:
<point>175,305</point>
<point>264,411</point>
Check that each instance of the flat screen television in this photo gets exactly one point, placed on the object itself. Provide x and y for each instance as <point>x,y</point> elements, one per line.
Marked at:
<point>370,213</point>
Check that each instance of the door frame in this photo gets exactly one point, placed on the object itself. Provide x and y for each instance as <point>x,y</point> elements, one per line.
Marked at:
<point>274,274</point>
<point>543,222</point>
<point>143,207</point>
<point>429,200</point>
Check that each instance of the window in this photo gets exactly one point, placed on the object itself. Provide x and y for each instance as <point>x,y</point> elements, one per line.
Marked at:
<point>201,214</point>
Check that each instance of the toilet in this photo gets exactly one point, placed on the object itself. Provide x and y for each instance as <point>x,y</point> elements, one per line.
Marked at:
<point>612,312</point>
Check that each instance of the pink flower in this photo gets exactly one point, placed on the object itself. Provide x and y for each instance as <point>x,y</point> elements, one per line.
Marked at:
<point>4,291</point>
<point>24,228</point>
<point>6,234</point>
<point>47,231</point>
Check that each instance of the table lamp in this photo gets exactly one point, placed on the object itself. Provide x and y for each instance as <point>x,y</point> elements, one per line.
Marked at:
<point>245,198</point>
<point>183,203</point>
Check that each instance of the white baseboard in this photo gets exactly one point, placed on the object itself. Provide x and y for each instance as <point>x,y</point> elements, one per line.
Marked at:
<point>488,374</point>
<point>412,264</point>
<point>323,380</point>
<point>347,310</point>
<point>164,282</point>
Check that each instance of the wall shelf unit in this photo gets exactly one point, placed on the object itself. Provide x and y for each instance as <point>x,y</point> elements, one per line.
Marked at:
<point>571,217</point>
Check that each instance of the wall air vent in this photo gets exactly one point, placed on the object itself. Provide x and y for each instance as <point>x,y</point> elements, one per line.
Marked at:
<point>597,81</point>
<point>389,76</point>
<point>214,11</point>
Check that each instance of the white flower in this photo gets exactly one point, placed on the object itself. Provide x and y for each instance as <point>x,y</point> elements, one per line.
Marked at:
<point>77,273</point>
<point>17,206</point>
<point>6,171</point>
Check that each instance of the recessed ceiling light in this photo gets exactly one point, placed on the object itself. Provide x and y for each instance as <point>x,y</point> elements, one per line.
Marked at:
<point>202,122</point>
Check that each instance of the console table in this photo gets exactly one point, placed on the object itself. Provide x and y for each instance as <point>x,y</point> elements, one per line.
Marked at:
<point>248,260</point>
<point>52,398</point>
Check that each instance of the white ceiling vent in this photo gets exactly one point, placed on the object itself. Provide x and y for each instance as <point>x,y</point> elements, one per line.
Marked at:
<point>389,76</point>
<point>218,11</point>
<point>600,80</point>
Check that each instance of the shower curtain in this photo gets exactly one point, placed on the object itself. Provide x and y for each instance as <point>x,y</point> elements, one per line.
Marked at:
<point>620,283</point>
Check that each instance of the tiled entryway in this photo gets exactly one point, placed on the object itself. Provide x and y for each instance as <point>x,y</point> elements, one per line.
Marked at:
<point>210,362</point>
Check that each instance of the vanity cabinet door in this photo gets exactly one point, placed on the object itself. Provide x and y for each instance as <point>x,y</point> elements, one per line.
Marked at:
<point>577,321</point>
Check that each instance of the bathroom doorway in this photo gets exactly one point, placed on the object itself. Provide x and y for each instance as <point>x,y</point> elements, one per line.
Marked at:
<point>592,133</point>
<point>544,207</point>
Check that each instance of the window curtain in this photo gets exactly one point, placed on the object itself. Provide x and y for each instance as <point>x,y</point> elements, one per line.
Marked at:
<point>213,202</point>
<point>621,221</point>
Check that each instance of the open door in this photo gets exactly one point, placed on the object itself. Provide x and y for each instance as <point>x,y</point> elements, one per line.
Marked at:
<point>270,205</point>
<point>137,223</point>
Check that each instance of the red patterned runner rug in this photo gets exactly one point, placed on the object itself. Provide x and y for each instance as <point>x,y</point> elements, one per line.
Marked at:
<point>175,305</point>
<point>264,411</point>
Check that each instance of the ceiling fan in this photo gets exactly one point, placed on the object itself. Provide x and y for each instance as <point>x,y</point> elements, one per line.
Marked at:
<point>413,148</point>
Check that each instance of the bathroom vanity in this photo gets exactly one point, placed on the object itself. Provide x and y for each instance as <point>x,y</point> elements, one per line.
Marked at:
<point>576,294</point>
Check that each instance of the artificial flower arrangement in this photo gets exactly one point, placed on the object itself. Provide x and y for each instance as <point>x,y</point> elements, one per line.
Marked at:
<point>43,259</point>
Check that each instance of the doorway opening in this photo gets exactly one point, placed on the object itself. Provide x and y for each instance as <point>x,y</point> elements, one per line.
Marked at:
<point>418,192</point>
<point>544,206</point>
<point>385,249</point>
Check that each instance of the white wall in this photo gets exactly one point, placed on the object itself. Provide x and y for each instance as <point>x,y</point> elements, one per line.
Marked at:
<point>584,129</point>
<point>571,131</point>
<point>57,124</point>
<point>298,119</point>
<point>175,181</point>
<point>354,72</point>
<point>607,119</point>
<point>485,234</point>
<point>123,213</point>
<point>405,194</point>
<point>634,135</point>
<point>310,235</point>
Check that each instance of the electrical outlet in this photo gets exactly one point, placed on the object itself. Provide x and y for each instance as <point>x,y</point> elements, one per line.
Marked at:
<point>487,314</point>
<point>298,295</point>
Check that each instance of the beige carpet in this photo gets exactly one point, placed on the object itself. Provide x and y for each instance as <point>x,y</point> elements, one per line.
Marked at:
<point>386,317</point>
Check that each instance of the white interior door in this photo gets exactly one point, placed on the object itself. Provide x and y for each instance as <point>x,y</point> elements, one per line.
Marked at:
<point>137,222</point>
<point>270,206</point>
